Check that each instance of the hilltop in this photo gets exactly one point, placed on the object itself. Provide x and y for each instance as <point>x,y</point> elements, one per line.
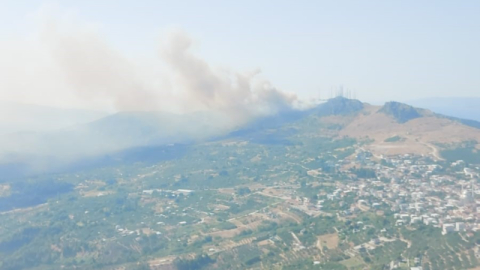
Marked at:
<point>397,128</point>
<point>461,107</point>
<point>394,128</point>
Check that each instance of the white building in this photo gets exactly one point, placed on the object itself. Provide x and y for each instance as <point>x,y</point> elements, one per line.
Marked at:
<point>448,228</point>
<point>459,226</point>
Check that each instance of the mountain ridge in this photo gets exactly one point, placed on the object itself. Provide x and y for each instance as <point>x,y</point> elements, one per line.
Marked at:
<point>460,107</point>
<point>420,130</point>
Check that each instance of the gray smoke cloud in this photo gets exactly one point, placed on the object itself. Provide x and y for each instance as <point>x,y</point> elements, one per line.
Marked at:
<point>74,66</point>
<point>64,63</point>
<point>95,71</point>
<point>237,94</point>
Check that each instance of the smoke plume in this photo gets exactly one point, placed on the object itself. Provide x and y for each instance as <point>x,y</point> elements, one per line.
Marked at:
<point>71,66</point>
<point>93,70</point>
<point>236,94</point>
<point>80,67</point>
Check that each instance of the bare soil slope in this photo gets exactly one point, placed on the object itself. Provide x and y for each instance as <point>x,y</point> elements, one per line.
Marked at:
<point>417,136</point>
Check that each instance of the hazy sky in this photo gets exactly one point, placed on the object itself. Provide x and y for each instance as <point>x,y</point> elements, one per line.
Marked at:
<point>382,50</point>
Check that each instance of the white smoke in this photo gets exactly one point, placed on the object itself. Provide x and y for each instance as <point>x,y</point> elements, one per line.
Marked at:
<point>234,93</point>
<point>69,65</point>
<point>64,63</point>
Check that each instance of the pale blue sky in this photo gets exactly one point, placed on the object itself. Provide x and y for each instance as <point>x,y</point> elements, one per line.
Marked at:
<point>383,50</point>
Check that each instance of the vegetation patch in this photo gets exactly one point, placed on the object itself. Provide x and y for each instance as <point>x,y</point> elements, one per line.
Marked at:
<point>465,151</point>
<point>401,112</point>
<point>395,139</point>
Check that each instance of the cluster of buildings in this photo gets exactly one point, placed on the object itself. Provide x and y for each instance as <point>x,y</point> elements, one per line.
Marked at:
<point>416,190</point>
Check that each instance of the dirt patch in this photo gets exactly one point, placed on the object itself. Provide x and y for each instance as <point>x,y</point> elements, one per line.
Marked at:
<point>161,261</point>
<point>226,190</point>
<point>256,158</point>
<point>219,207</point>
<point>228,233</point>
<point>329,240</point>
<point>419,133</point>
<point>274,192</point>
<point>265,243</point>
<point>147,231</point>
<point>229,244</point>
<point>95,193</point>
<point>314,173</point>
<point>287,215</point>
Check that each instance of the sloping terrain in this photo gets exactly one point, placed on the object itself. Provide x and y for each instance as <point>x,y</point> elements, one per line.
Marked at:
<point>399,129</point>
<point>461,107</point>
<point>25,153</point>
<point>18,117</point>
<point>394,128</point>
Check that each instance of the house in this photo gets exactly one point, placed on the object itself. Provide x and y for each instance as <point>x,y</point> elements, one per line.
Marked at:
<point>448,228</point>
<point>459,226</point>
